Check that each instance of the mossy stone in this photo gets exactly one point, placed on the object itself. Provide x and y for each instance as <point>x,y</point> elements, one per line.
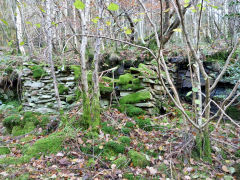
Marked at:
<point>4,150</point>
<point>30,116</point>
<point>136,97</point>
<point>125,79</point>
<point>62,89</point>
<point>138,159</point>
<point>38,71</point>
<point>234,113</point>
<point>70,99</point>
<point>131,110</point>
<point>77,71</point>
<point>48,145</point>
<point>121,162</point>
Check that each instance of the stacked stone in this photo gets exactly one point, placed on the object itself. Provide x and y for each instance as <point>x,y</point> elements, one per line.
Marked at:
<point>148,82</point>
<point>39,94</point>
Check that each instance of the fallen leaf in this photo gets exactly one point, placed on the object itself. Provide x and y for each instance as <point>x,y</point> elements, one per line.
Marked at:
<point>151,170</point>
<point>225,168</point>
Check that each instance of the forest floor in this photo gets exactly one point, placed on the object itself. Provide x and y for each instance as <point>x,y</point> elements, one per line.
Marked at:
<point>125,148</point>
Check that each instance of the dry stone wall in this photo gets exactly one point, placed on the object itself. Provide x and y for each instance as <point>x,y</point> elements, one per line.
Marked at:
<point>38,92</point>
<point>138,87</point>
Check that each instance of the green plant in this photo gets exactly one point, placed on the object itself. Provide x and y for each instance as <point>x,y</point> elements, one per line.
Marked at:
<point>11,121</point>
<point>144,124</point>
<point>138,159</point>
<point>38,71</point>
<point>121,162</point>
<point>125,140</point>
<point>116,147</point>
<point>129,124</point>
<point>62,89</point>
<point>126,130</point>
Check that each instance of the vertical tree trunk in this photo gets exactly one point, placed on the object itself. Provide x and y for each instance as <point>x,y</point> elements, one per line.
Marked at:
<point>19,29</point>
<point>49,53</point>
<point>86,100</point>
<point>96,92</point>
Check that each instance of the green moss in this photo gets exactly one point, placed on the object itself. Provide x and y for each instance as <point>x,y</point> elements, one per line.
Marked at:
<point>125,140</point>
<point>77,71</point>
<point>126,130</point>
<point>4,150</point>
<point>121,162</point>
<point>108,129</point>
<point>95,112</point>
<point>44,121</point>
<point>14,160</point>
<point>19,130</point>
<point>131,176</point>
<point>62,89</point>
<point>203,146</point>
<point>129,124</point>
<point>70,99</point>
<point>78,94</point>
<point>136,97</point>
<point>38,71</point>
<point>237,153</point>
<point>131,110</point>
<point>28,138</point>
<point>11,121</point>
<point>138,159</point>
<point>30,116</point>
<point>114,146</point>
<point>105,89</point>
<point>144,124</point>
<point>234,113</point>
<point>86,117</point>
<point>48,145</point>
<point>125,79</point>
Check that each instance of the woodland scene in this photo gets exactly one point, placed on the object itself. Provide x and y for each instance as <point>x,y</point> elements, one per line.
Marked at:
<point>120,89</point>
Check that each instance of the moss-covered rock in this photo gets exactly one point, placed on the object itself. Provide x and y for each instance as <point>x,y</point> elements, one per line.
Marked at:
<point>4,150</point>
<point>125,79</point>
<point>131,110</point>
<point>62,89</point>
<point>121,162</point>
<point>77,71</point>
<point>70,99</point>
<point>48,145</point>
<point>138,159</point>
<point>11,121</point>
<point>125,140</point>
<point>136,97</point>
<point>234,113</point>
<point>38,71</point>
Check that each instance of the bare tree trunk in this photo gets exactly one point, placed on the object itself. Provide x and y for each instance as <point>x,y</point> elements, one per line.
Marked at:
<point>49,54</point>
<point>96,91</point>
<point>19,28</point>
<point>86,99</point>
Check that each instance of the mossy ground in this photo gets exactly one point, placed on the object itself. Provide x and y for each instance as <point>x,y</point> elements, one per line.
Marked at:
<point>136,148</point>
